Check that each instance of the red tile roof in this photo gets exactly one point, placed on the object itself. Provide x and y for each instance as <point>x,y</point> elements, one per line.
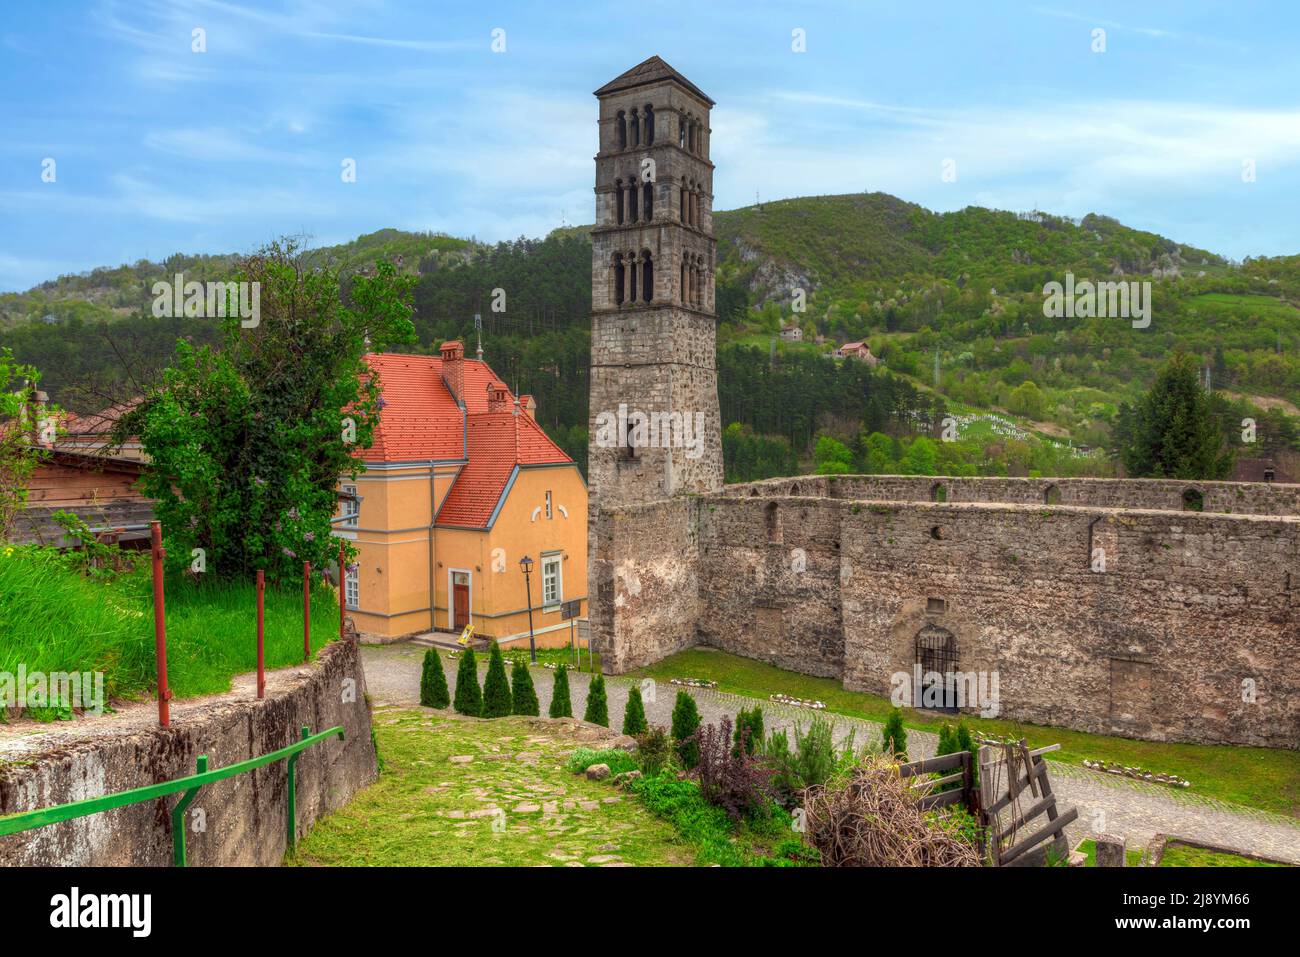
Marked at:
<point>420,421</point>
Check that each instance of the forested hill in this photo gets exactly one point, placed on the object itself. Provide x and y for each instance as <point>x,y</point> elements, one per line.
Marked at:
<point>951,302</point>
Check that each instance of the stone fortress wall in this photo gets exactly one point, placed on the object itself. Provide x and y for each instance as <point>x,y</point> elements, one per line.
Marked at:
<point>837,576</point>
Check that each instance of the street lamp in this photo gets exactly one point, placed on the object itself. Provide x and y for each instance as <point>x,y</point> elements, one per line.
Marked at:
<point>526,564</point>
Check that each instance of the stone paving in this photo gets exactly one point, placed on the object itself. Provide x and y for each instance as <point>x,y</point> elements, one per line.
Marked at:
<point>1106,803</point>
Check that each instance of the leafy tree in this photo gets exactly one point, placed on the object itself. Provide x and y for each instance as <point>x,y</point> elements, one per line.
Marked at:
<point>433,681</point>
<point>832,457</point>
<point>878,458</point>
<point>894,736</point>
<point>469,696</point>
<point>597,703</point>
<point>560,706</point>
<point>921,457</point>
<point>18,456</point>
<point>1028,400</point>
<point>247,444</point>
<point>497,700</point>
<point>686,721</point>
<point>634,722</point>
<point>522,690</point>
<point>1170,433</point>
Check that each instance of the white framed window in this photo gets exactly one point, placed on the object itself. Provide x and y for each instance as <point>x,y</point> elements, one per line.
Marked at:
<point>548,503</point>
<point>552,580</point>
<point>351,506</point>
<point>352,586</point>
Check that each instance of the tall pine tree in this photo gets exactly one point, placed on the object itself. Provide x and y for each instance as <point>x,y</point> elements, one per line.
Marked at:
<point>1171,433</point>
<point>597,702</point>
<point>522,691</point>
<point>560,705</point>
<point>634,714</point>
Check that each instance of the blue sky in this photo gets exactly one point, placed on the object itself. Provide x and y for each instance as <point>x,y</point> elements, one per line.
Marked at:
<point>160,149</point>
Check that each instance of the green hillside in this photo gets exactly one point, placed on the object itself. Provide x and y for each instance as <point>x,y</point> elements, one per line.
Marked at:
<point>952,303</point>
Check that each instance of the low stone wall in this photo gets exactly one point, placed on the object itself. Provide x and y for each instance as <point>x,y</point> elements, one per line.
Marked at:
<point>243,817</point>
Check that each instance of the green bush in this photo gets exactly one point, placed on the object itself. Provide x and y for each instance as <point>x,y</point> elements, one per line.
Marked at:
<point>469,697</point>
<point>956,739</point>
<point>597,703</point>
<point>560,706</point>
<point>686,721</point>
<point>617,759</point>
<point>893,738</point>
<point>749,730</point>
<point>654,750</point>
<point>634,714</point>
<point>433,682</point>
<point>497,702</point>
<point>813,760</point>
<point>522,691</point>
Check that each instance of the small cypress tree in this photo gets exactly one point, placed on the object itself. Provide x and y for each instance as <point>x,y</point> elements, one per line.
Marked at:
<point>894,737</point>
<point>522,690</point>
<point>469,696</point>
<point>686,720</point>
<point>597,703</point>
<point>749,729</point>
<point>634,716</point>
<point>433,682</point>
<point>497,702</point>
<point>964,741</point>
<point>560,706</point>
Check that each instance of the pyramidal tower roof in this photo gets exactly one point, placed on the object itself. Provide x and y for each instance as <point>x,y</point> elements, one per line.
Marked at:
<point>653,70</point>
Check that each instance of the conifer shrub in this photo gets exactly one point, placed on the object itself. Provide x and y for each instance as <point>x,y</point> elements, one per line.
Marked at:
<point>634,714</point>
<point>497,702</point>
<point>893,737</point>
<point>597,703</point>
<point>433,681</point>
<point>749,730</point>
<point>560,705</point>
<point>654,750</point>
<point>686,721</point>
<point>522,691</point>
<point>469,696</point>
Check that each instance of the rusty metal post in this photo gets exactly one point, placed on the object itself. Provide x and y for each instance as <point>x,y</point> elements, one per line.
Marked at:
<point>261,634</point>
<point>160,624</point>
<point>343,588</point>
<point>306,611</point>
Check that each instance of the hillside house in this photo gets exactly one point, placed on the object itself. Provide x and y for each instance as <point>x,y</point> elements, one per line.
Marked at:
<point>791,334</point>
<point>460,484</point>
<point>856,350</point>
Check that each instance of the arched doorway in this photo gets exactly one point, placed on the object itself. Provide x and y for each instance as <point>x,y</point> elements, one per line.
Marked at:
<point>936,655</point>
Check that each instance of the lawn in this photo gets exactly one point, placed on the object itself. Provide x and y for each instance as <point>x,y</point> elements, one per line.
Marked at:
<point>1178,854</point>
<point>513,804</point>
<point>54,619</point>
<point>1264,778</point>
<point>1088,848</point>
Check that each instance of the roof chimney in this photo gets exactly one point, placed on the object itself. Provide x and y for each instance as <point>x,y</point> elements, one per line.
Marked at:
<point>530,406</point>
<point>498,397</point>
<point>453,368</point>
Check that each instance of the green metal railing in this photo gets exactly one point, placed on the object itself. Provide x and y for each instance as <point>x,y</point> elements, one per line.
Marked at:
<point>27,820</point>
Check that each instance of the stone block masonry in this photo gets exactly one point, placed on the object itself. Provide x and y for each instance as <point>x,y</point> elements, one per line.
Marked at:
<point>243,818</point>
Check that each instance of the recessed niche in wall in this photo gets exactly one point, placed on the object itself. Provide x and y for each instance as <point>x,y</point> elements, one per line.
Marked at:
<point>938,531</point>
<point>935,606</point>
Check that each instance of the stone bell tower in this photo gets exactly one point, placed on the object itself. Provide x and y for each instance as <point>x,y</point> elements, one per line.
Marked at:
<point>654,427</point>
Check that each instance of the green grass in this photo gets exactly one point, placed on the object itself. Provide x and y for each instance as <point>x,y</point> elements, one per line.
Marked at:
<point>54,619</point>
<point>1178,854</point>
<point>418,812</point>
<point>1264,778</point>
<point>555,656</point>
<point>1088,849</point>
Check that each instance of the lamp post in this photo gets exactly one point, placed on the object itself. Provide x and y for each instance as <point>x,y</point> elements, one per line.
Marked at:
<point>526,564</point>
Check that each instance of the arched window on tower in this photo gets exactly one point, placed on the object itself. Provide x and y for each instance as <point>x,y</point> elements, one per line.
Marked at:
<point>649,125</point>
<point>636,129</point>
<point>631,277</point>
<point>681,130</point>
<point>690,136</point>
<point>647,276</point>
<point>648,201</point>
<point>618,279</point>
<point>632,214</point>
<point>621,126</point>
<point>618,200</point>
<point>685,296</point>
<point>681,195</point>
